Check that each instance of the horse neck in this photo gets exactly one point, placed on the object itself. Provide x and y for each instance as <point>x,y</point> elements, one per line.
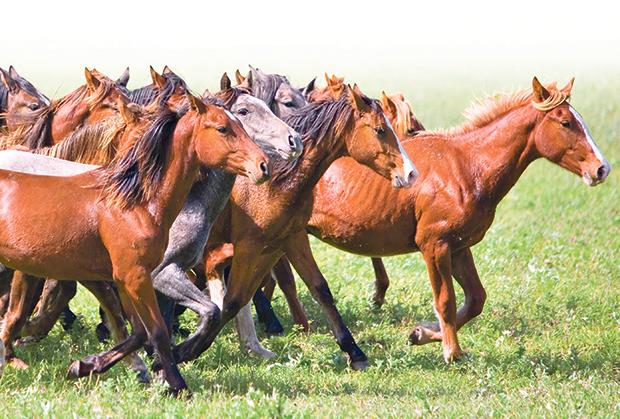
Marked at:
<point>180,173</point>
<point>500,152</point>
<point>313,163</point>
<point>68,115</point>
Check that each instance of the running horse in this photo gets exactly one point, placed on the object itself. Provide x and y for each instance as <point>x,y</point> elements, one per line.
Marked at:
<point>452,205</point>
<point>115,221</point>
<point>261,222</point>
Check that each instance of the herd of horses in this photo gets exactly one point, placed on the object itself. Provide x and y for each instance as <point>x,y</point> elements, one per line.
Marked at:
<point>157,200</point>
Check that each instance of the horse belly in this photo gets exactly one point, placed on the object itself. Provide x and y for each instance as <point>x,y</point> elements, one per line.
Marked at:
<point>47,233</point>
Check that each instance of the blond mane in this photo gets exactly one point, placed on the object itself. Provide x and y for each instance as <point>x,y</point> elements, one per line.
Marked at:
<point>486,110</point>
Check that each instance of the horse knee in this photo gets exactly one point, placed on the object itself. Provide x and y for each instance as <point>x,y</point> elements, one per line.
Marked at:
<point>211,314</point>
<point>477,303</point>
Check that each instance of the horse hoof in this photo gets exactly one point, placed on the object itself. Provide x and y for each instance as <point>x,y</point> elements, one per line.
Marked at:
<point>360,365</point>
<point>181,394</point>
<point>378,301</point>
<point>27,340</point>
<point>415,337</point>
<point>75,370</point>
<point>18,364</point>
<point>451,356</point>
<point>261,353</point>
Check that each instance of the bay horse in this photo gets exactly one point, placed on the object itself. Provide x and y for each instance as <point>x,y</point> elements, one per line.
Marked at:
<point>399,112</point>
<point>116,219</point>
<point>452,205</point>
<point>166,89</point>
<point>205,202</point>
<point>261,222</point>
<point>18,98</point>
<point>207,197</point>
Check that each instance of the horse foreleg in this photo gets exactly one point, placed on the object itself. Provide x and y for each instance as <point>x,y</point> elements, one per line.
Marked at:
<point>138,286</point>
<point>6,275</point>
<point>382,281</point>
<point>439,265</point>
<point>243,321</point>
<point>249,267</point>
<point>23,291</point>
<point>286,281</point>
<point>103,361</point>
<point>111,306</point>
<point>300,254</point>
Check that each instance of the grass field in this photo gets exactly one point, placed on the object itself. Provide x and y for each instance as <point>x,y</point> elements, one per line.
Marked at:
<point>547,343</point>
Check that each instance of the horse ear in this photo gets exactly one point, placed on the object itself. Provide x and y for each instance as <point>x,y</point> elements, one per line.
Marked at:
<point>158,79</point>
<point>225,82</point>
<point>124,78</point>
<point>309,87</point>
<point>356,88</point>
<point>328,80</point>
<point>13,72</point>
<point>388,104</point>
<point>91,80</point>
<point>7,80</point>
<point>356,100</point>
<point>126,112</point>
<point>540,93</point>
<point>569,87</point>
<point>239,77</point>
<point>195,103</point>
<point>167,70</point>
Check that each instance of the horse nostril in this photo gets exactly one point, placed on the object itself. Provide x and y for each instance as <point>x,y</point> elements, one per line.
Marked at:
<point>292,142</point>
<point>264,169</point>
<point>601,172</point>
<point>411,177</point>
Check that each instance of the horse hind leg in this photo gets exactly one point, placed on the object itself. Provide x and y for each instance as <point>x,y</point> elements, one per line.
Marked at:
<point>286,281</point>
<point>54,300</point>
<point>173,283</point>
<point>24,290</point>
<point>382,281</point>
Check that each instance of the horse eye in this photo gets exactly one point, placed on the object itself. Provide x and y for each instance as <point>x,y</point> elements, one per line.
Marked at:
<point>566,124</point>
<point>289,104</point>
<point>33,106</point>
<point>411,131</point>
<point>379,130</point>
<point>221,130</point>
<point>243,111</point>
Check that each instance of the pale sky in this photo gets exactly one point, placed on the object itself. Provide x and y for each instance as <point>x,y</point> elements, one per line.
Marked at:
<point>51,42</point>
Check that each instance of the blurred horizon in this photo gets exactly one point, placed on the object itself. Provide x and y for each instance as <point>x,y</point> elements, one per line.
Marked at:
<point>487,43</point>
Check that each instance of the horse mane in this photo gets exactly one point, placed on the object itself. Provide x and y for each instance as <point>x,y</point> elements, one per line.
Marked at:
<point>133,176</point>
<point>229,96</point>
<point>266,87</point>
<point>405,118</point>
<point>34,130</point>
<point>90,144</point>
<point>4,98</point>
<point>315,122</point>
<point>147,94</point>
<point>486,110</point>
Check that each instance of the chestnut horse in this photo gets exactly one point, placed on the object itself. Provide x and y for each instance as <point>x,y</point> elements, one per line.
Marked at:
<point>452,205</point>
<point>115,220</point>
<point>399,112</point>
<point>261,222</point>
<point>167,90</point>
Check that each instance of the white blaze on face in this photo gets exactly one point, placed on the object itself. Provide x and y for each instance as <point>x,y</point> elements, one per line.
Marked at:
<point>408,166</point>
<point>597,151</point>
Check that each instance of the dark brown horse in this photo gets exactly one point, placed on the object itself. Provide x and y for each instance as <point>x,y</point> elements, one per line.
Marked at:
<point>261,222</point>
<point>452,204</point>
<point>114,221</point>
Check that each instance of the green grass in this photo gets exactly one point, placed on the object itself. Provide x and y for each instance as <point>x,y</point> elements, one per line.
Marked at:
<point>547,343</point>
